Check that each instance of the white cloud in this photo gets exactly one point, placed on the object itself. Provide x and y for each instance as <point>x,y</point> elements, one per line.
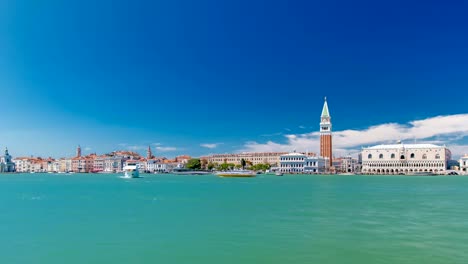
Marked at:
<point>87,148</point>
<point>136,148</point>
<point>166,149</point>
<point>157,144</point>
<point>210,145</point>
<point>302,127</point>
<point>448,130</point>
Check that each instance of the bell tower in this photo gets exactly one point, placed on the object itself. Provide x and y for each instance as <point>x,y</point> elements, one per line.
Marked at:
<point>78,151</point>
<point>326,134</point>
<point>149,154</point>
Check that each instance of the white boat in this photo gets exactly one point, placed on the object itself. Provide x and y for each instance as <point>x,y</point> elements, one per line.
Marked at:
<point>236,173</point>
<point>131,171</point>
<point>278,173</point>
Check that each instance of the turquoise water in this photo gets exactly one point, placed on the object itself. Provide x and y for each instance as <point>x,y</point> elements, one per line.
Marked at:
<point>205,219</point>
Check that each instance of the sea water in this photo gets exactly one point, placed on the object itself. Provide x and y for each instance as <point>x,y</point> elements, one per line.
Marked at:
<point>98,218</point>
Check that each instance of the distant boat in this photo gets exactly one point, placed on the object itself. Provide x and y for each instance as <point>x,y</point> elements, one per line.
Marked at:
<point>236,173</point>
<point>420,173</point>
<point>131,171</point>
<point>278,173</point>
<point>184,171</point>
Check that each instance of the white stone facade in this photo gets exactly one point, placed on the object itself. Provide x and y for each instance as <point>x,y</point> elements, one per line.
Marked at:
<point>347,164</point>
<point>113,164</point>
<point>301,163</point>
<point>405,159</point>
<point>464,165</point>
<point>6,163</point>
<point>22,164</point>
<point>153,166</point>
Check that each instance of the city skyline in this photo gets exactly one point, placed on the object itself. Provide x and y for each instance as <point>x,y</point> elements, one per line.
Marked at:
<point>214,77</point>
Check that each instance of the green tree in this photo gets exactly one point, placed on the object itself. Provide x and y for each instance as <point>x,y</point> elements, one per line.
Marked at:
<point>193,164</point>
<point>211,166</point>
<point>260,167</point>
<point>226,166</point>
<point>243,163</point>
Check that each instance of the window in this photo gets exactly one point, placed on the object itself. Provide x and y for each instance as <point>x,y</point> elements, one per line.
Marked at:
<point>412,155</point>
<point>393,156</point>
<point>437,156</point>
<point>381,156</point>
<point>424,156</point>
<point>369,156</point>
<point>402,157</point>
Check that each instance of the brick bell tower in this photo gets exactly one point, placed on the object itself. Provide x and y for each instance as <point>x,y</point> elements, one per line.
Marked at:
<point>326,134</point>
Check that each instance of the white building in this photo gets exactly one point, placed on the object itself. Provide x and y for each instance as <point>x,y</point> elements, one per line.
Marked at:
<point>22,164</point>
<point>53,166</point>
<point>301,163</point>
<point>6,164</point>
<point>405,159</point>
<point>347,164</point>
<point>65,165</point>
<point>158,166</point>
<point>464,164</point>
<point>113,164</point>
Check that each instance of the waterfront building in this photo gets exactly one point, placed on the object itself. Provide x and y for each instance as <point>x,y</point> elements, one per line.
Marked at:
<point>32,164</point>
<point>113,164</point>
<point>272,158</point>
<point>82,164</point>
<point>48,165</point>
<point>301,163</point>
<point>158,165</point>
<point>326,134</point>
<point>346,164</point>
<point>183,159</point>
<point>53,166</point>
<point>98,163</point>
<point>65,165</point>
<point>22,164</point>
<point>6,163</point>
<point>464,164</point>
<point>405,159</point>
<point>37,165</point>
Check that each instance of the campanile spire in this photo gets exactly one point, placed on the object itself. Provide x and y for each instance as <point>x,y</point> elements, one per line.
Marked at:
<point>326,133</point>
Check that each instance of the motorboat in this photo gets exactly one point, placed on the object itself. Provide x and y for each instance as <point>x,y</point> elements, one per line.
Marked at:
<point>131,170</point>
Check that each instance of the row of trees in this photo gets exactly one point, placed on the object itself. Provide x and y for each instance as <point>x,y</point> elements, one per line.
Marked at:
<point>197,164</point>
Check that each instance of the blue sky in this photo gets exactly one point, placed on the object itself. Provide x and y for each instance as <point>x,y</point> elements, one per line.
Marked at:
<point>200,77</point>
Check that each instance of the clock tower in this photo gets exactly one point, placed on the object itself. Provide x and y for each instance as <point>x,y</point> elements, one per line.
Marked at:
<point>326,134</point>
